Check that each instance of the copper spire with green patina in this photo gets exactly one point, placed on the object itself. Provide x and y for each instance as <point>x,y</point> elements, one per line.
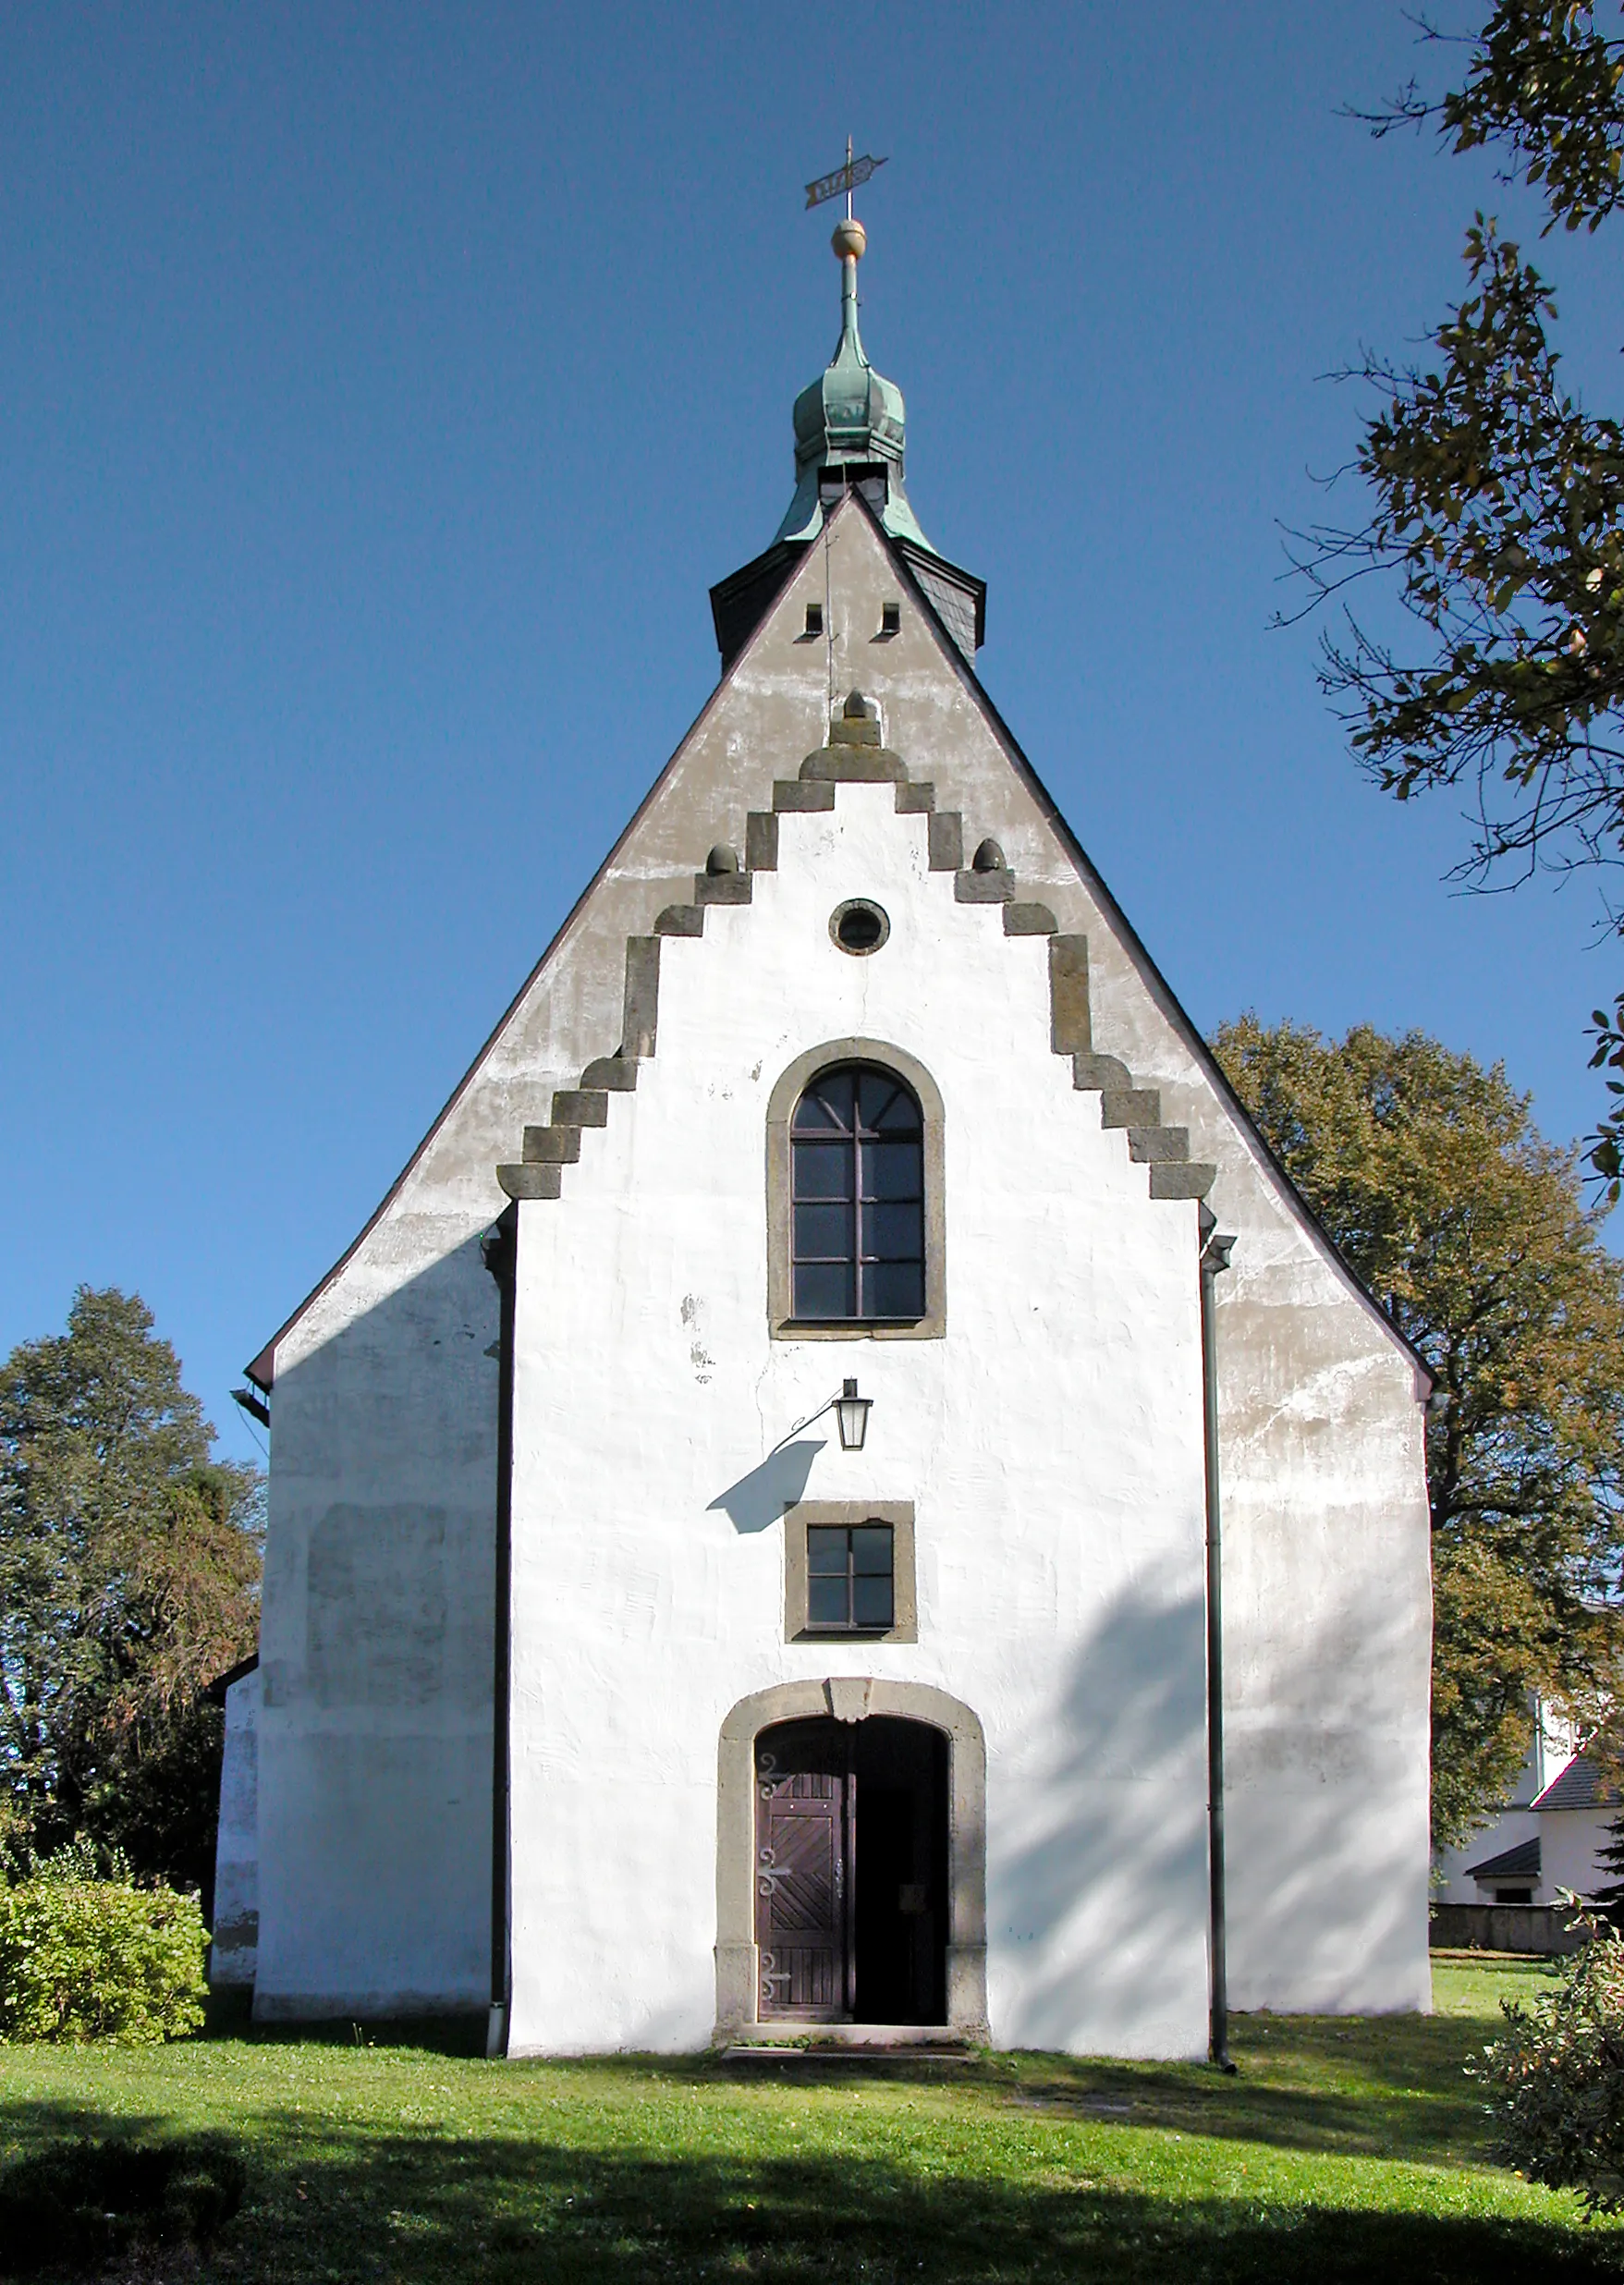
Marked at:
<point>850,424</point>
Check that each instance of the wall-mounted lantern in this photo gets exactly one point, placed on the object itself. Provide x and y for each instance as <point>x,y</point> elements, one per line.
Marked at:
<point>852,1412</point>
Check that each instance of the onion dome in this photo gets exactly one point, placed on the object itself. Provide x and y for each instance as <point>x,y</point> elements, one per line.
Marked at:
<point>850,424</point>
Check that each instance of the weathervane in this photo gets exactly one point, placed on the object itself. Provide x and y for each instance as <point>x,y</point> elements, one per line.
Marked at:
<point>845,178</point>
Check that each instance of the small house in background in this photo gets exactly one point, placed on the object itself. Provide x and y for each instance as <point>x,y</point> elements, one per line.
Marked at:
<point>842,1460</point>
<point>1576,1812</point>
<point>1546,1840</point>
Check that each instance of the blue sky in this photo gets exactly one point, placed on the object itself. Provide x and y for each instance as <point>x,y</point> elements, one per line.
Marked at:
<point>383,388</point>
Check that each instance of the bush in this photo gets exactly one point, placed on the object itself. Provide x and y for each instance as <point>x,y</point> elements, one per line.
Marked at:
<point>85,2202</point>
<point>89,1958</point>
<point>1558,2076</point>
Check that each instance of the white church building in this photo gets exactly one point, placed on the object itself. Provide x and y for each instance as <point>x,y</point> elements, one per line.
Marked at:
<point>841,1489</point>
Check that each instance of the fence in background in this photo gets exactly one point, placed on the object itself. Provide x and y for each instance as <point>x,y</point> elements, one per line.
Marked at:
<point>1504,1928</point>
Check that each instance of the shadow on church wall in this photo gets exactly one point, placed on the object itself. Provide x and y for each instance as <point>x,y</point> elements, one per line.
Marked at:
<point>377,1654</point>
<point>1326,1890</point>
<point>1107,1835</point>
<point>757,1502</point>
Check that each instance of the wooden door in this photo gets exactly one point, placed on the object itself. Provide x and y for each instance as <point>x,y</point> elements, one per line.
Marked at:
<point>805,1804</point>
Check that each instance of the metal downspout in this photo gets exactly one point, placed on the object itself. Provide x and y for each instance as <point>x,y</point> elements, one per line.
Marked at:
<point>1214,1260</point>
<point>499,1248</point>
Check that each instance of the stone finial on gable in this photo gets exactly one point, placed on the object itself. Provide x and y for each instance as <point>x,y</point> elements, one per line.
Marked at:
<point>857,723</point>
<point>856,753</point>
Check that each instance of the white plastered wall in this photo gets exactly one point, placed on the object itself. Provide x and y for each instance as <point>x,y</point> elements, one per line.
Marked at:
<point>375,1779</point>
<point>1050,1443</point>
<point>234,1930</point>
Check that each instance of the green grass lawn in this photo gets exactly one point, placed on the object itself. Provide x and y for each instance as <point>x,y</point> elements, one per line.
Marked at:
<point>1344,2149</point>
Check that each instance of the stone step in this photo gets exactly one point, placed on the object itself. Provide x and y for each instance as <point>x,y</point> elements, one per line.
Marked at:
<point>530,1181</point>
<point>947,843</point>
<point>1130,1106</point>
<point>995,884</point>
<point>681,921</point>
<point>721,888</point>
<point>551,1145</point>
<point>638,1023</point>
<point>1157,1145</point>
<point>1105,1072</point>
<point>893,2053</point>
<point>1070,1022</point>
<point>796,793</point>
<point>617,1073</point>
<point>581,1106</point>
<point>1029,919</point>
<point>1192,1178</point>
<point>854,765</point>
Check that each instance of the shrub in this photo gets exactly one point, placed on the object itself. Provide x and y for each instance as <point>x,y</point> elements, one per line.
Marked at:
<point>85,2202</point>
<point>1558,2076</point>
<point>88,1958</point>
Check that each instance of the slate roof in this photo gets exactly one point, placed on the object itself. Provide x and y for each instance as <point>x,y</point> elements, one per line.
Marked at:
<point>1519,1863</point>
<point>1580,1786</point>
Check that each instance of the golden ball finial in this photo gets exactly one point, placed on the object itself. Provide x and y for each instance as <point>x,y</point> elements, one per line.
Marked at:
<point>849,238</point>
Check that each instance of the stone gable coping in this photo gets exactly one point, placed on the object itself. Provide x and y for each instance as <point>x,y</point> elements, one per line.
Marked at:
<point>855,765</point>
<point>546,1151</point>
<point>989,886</point>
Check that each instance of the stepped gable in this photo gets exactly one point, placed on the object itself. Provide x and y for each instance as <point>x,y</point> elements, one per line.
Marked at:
<point>850,434</point>
<point>854,755</point>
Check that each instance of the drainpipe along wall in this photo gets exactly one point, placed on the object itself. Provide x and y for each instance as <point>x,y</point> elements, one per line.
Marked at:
<point>500,1249</point>
<point>1214,1260</point>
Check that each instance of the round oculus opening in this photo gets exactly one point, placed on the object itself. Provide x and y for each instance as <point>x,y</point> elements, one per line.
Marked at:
<point>858,925</point>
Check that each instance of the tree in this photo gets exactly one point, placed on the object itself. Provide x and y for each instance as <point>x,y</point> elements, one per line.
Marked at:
<point>1555,2077</point>
<point>129,1565</point>
<point>1611,1858</point>
<point>1499,508</point>
<point>1470,1231</point>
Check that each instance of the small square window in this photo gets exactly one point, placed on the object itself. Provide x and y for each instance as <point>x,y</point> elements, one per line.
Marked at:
<point>849,1579</point>
<point>814,618</point>
<point>890,619</point>
<point>850,1571</point>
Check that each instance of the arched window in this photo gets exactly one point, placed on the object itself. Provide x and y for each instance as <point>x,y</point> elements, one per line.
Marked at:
<point>857,1163</point>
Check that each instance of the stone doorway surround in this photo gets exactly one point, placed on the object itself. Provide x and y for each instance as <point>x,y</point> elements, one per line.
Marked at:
<point>851,1698</point>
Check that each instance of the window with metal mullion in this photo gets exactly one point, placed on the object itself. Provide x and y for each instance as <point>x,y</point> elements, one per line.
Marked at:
<point>857,1201</point>
<point>850,1577</point>
<point>890,1205</point>
<point>825,1237</point>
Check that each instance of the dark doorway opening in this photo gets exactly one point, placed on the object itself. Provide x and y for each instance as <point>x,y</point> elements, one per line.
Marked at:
<point>852,1871</point>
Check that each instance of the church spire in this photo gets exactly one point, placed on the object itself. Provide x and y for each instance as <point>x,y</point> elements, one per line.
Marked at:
<point>849,433</point>
<point>850,424</point>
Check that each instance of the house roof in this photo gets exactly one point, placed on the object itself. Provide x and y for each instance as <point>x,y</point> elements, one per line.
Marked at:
<point>1519,1863</point>
<point>1580,1786</point>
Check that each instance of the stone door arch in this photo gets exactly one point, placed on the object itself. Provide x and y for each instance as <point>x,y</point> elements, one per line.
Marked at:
<point>851,1698</point>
